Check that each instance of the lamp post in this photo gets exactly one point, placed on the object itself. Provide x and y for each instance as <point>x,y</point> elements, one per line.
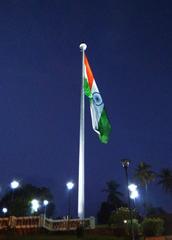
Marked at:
<point>45,203</point>
<point>125,165</point>
<point>13,185</point>
<point>70,186</point>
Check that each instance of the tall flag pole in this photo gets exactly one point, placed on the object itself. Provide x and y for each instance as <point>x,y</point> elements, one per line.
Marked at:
<point>81,178</point>
<point>100,121</point>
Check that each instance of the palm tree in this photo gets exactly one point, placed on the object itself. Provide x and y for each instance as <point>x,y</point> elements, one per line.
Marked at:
<point>112,203</point>
<point>114,195</point>
<point>144,176</point>
<point>165,180</point>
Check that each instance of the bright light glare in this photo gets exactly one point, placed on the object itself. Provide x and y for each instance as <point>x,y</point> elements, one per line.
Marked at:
<point>132,187</point>
<point>45,202</point>
<point>4,210</point>
<point>35,205</point>
<point>134,194</point>
<point>69,185</point>
<point>14,184</point>
<point>125,221</point>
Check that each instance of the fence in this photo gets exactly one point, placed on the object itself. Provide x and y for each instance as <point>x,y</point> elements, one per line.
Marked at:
<point>34,223</point>
<point>71,224</point>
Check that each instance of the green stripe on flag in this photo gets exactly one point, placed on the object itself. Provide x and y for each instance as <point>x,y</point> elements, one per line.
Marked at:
<point>104,127</point>
<point>87,89</point>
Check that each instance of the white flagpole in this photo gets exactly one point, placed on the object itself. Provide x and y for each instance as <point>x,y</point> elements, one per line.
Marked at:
<point>81,177</point>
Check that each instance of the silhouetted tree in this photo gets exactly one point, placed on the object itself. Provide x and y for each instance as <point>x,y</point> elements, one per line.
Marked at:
<point>113,194</point>
<point>144,175</point>
<point>165,180</point>
<point>113,201</point>
<point>18,202</point>
<point>104,213</point>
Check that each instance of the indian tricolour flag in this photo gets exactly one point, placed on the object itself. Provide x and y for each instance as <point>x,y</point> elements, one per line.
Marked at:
<point>99,117</point>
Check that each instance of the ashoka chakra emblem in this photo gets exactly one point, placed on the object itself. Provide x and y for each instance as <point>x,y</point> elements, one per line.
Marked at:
<point>97,98</point>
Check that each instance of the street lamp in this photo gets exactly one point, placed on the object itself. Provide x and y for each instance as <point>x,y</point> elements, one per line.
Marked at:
<point>134,195</point>
<point>132,187</point>
<point>45,203</point>
<point>70,186</point>
<point>4,210</point>
<point>133,192</point>
<point>125,165</point>
<point>35,205</point>
<point>14,184</point>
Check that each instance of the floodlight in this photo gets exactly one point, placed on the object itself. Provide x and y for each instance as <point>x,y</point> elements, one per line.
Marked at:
<point>45,202</point>
<point>14,184</point>
<point>4,210</point>
<point>134,194</point>
<point>132,187</point>
<point>69,185</point>
<point>35,205</point>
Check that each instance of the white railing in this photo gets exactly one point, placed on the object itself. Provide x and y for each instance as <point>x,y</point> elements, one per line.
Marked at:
<point>36,222</point>
<point>68,224</point>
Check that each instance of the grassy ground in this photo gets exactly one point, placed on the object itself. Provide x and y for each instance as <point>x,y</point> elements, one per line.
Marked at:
<point>44,237</point>
<point>101,233</point>
<point>54,237</point>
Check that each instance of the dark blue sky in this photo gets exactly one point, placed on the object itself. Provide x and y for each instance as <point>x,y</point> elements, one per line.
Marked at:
<point>130,52</point>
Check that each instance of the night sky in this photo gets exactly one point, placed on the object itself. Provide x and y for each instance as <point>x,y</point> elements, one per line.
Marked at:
<point>130,53</point>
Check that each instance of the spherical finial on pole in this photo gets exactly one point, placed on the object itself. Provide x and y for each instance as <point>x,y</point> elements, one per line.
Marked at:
<point>83,46</point>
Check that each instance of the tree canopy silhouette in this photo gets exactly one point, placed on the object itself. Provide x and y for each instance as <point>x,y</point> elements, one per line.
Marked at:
<point>114,201</point>
<point>18,201</point>
<point>165,180</point>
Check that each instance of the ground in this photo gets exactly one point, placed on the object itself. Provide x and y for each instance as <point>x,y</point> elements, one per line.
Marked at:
<point>53,237</point>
